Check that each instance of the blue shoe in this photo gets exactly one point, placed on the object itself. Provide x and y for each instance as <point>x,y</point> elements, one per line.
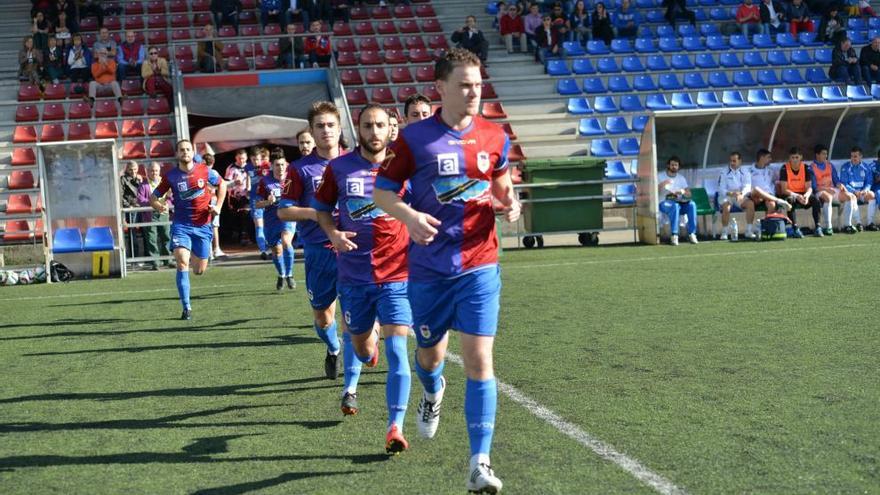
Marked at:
<point>797,234</point>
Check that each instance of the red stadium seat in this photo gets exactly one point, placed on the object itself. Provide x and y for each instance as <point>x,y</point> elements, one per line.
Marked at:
<point>135,23</point>
<point>364,28</point>
<point>87,24</point>
<point>347,59</point>
<point>272,30</point>
<point>132,128</point>
<point>419,56</point>
<point>356,96</point>
<point>369,44</point>
<point>156,7</point>
<point>157,21</point>
<point>415,42</point>
<point>341,29</point>
<point>249,31</point>
<point>106,108</point>
<point>132,107</point>
<point>264,62</point>
<point>106,129</point>
<point>355,115</point>
<point>392,43</point>
<point>376,76</point>
<point>401,75</point>
<point>431,92</point>
<point>54,111</point>
<point>201,5</point>
<point>184,51</point>
<point>405,92</point>
<point>55,92</point>
<point>370,58</point>
<point>409,26</point>
<point>438,42</point>
<point>161,148</point>
<point>132,87</point>
<point>178,6</point>
<point>381,95</point>
<point>515,154</point>
<point>395,57</point>
<point>494,110</point>
<point>17,230</point>
<point>273,49</point>
<point>157,38</point>
<point>346,45</point>
<point>134,8</point>
<point>23,157</point>
<point>79,131</point>
<point>359,13</point>
<point>24,134</point>
<point>423,11</point>
<point>381,12</point>
<point>159,127</point>
<point>29,92</point>
<point>113,23</point>
<point>237,64</point>
<point>403,11</point>
<point>27,113</point>
<point>509,131</point>
<point>180,35</point>
<point>21,179</point>
<point>351,77</point>
<point>252,49</point>
<point>19,204</point>
<point>133,150</point>
<point>157,106</point>
<point>89,38</point>
<point>425,73</point>
<point>224,32</point>
<point>489,91</point>
<point>52,132</point>
<point>186,65</point>
<point>230,50</point>
<point>79,110</point>
<point>386,27</point>
<point>180,21</point>
<point>431,26</point>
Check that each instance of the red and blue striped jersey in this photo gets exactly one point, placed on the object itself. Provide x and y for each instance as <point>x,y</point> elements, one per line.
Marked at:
<point>191,193</point>
<point>304,177</point>
<point>270,186</point>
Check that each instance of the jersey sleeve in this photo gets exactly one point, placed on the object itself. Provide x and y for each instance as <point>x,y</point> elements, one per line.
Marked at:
<point>397,168</point>
<point>835,178</point>
<point>328,193</point>
<point>213,177</point>
<point>262,192</point>
<point>162,188</point>
<point>783,175</point>
<point>502,165</point>
<point>293,190</point>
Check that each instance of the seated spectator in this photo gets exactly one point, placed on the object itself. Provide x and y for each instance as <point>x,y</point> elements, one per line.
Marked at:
<point>416,108</point>
<point>62,31</point>
<point>626,20</point>
<point>79,60</point>
<point>844,63</point>
<point>512,27</point>
<point>856,176</point>
<point>677,9</point>
<point>333,10</point>
<point>226,12</point>
<point>772,17</point>
<point>66,16</point>
<point>106,42</point>
<point>748,17</point>
<point>317,48</point>
<point>104,75</point>
<point>860,8</point>
<point>675,200</point>
<point>129,58</point>
<point>30,62</point>
<point>92,8</point>
<point>763,180</point>
<point>559,21</point>
<point>579,24</point>
<point>209,51</point>
<point>157,237</point>
<point>290,49</point>
<point>502,11</point>
<point>734,185</point>
<point>548,42</point>
<point>270,11</point>
<point>869,60</point>
<point>796,186</point>
<point>156,76</point>
<point>531,22</point>
<point>393,127</point>
<point>601,22</point>
<point>53,61</point>
<point>297,10</point>
<point>829,189</point>
<point>832,26</point>
<point>471,39</point>
<point>40,31</point>
<point>798,17</point>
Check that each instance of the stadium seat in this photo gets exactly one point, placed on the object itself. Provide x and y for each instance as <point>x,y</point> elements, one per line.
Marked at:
<point>808,95</point>
<point>341,28</point>
<point>381,95</point>
<point>593,85</point>
<point>29,92</point>
<point>681,62</point>
<point>106,108</point>
<point>654,16</point>
<point>159,127</point>
<point>264,62</point>
<point>51,133</point>
<point>707,99</point>
<point>602,148</point>
<point>131,87</point>
<point>401,75</point>
<point>823,56</point>
<point>515,154</point>
<point>21,179</point>
<point>79,131</point>
<point>875,92</point>
<point>24,134</point>
<point>792,76</point>
<point>597,47</point>
<point>364,28</point>
<point>743,78</point>
<point>404,12</point>
<point>348,44</point>
<point>425,11</point>
<point>425,73</point>
<point>616,170</point>
<point>631,103</point>
<point>692,43</point>
<point>98,239</point>
<point>132,107</point>
<point>54,92</point>
<point>157,21</point>
<point>682,101</point>
<point>372,57</point>
<point>664,31</point>
<point>19,204</point>
<point>733,98</point>
<point>579,106</point>
<point>604,104</point>
<point>815,75</point>
<point>437,42</point>
<point>644,82</point>
<point>273,49</point>
<point>632,64</point>
<point>567,87</point>
<point>582,66</point>
<point>762,41</point>
<point>621,45</point>
<point>669,82</point>
<point>359,13</point>
<point>106,129</point>
<point>625,194</point>
<point>716,43</point>
<point>751,59</point>
<point>132,128</point>
<point>375,76</point>
<point>694,80</point>
<point>493,110</point>
<point>237,64</point>
<point>386,27</point>
<point>347,59</point>
<point>628,146</point>
<point>88,24</point>
<point>203,5</point>
<point>768,78</point>
<point>618,84</point>
<point>572,49</point>
<point>777,57</point>
<point>657,101</point>
<point>417,56</point>
<point>657,63</point>
<point>857,37</point>
<point>645,45</point>
<point>740,42</point>
<point>156,7</point>
<point>161,148</point>
<point>758,97</point>
<point>27,113</point>
<point>590,127</point>
<point>807,38</point>
<point>113,23</point>
<point>252,49</point>
<point>23,157</point>
<point>802,57</point>
<point>783,96</point>
<point>431,26</point>
<point>617,125</point>
<point>707,30</point>
<point>705,61</point>
<point>133,150</point>
<point>557,67</point>
<point>404,92</point>
<point>409,26</point>
<point>639,122</point>
<point>686,30</point>
<point>832,94</point>
<point>669,45</point>
<point>607,65</point>
<point>488,91</point>
<point>178,6</point>
<point>17,230</point>
<point>857,93</point>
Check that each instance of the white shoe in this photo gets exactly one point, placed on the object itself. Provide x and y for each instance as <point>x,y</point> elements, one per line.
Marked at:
<point>428,413</point>
<point>723,237</point>
<point>218,253</point>
<point>750,235</point>
<point>481,478</point>
<point>674,240</point>
<point>692,238</point>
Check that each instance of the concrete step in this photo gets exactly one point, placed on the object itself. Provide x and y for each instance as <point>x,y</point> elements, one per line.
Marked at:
<point>528,87</point>
<point>557,149</point>
<point>562,130</point>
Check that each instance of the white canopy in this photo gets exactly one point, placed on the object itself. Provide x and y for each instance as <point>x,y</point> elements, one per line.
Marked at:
<point>242,133</point>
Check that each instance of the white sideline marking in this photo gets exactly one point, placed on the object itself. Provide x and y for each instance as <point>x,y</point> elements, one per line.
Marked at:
<point>114,293</point>
<point>603,450</point>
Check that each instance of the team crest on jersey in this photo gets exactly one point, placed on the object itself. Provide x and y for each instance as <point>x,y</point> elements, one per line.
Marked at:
<point>354,186</point>
<point>316,182</point>
<point>347,316</point>
<point>200,183</point>
<point>425,330</point>
<point>447,164</point>
<point>483,162</point>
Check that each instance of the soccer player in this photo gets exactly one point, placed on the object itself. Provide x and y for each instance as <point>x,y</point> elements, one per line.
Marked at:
<point>304,177</point>
<point>257,168</point>
<point>279,234</point>
<point>856,176</point>
<point>416,108</point>
<point>305,142</point>
<point>734,185</point>
<point>764,183</point>
<point>796,185</point>
<point>191,230</point>
<point>372,270</point>
<point>456,163</point>
<point>829,189</point>
<point>675,198</point>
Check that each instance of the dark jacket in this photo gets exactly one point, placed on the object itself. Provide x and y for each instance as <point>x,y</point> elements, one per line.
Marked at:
<point>838,57</point>
<point>541,37</point>
<point>470,43</point>
<point>765,12</point>
<point>869,57</point>
<point>225,6</point>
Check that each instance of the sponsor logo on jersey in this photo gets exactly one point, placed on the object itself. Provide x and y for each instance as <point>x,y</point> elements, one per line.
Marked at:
<point>182,186</point>
<point>354,186</point>
<point>200,183</point>
<point>447,164</point>
<point>453,142</point>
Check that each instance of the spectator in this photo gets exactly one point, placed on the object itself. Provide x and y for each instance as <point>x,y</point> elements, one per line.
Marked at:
<point>333,10</point>
<point>209,51</point>
<point>129,185</point>
<point>66,16</point>
<point>856,177</point>
<point>471,39</point>
<point>305,142</point>
<point>860,8</point>
<point>106,42</point>
<point>831,26</point>
<point>601,22</point>
<point>298,10</point>
<point>237,196</point>
<point>626,20</point>
<point>798,17</point>
<point>216,252</point>
<point>869,59</point>
<point>560,21</point>
<point>531,22</point>
<point>417,107</point>
<point>30,62</point>
<point>79,60</point>
<point>40,31</point>
<point>579,24</point>
<point>763,181</point>
<point>772,17</point>
<point>512,25</point>
<point>40,6</point>
<point>317,48</point>
<point>393,126</point>
<point>844,63</point>
<point>130,57</point>
<point>675,200</point>
<point>748,17</point>
<point>104,75</point>
<point>156,237</point>
<point>92,8</point>
<point>502,11</point>
<point>677,9</point>
<point>270,10</point>
<point>53,61</point>
<point>829,189</point>
<point>291,50</point>
<point>157,78</point>
<point>226,12</point>
<point>62,31</point>
<point>547,40</point>
<point>734,185</point>
<point>796,186</point>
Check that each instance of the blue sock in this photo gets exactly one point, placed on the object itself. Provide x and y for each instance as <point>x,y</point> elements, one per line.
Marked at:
<point>278,261</point>
<point>430,379</point>
<point>351,366</point>
<point>261,238</point>
<point>399,379</point>
<point>287,256</point>
<point>328,336</point>
<point>480,399</point>
<point>183,288</point>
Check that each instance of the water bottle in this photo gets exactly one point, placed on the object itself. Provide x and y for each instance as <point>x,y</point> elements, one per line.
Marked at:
<point>734,231</point>
<point>757,230</point>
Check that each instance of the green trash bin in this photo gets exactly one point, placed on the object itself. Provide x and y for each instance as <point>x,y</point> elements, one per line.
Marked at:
<point>565,214</point>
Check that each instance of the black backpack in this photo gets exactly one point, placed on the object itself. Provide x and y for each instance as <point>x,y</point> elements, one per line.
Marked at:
<point>60,273</point>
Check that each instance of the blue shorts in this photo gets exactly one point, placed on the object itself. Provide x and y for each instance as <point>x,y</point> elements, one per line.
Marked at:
<point>256,213</point>
<point>363,304</point>
<point>320,264</point>
<point>468,303</point>
<point>196,239</point>
<point>273,233</point>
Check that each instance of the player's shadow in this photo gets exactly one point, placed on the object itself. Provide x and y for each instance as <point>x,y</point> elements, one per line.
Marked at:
<point>68,322</point>
<point>232,325</point>
<point>250,486</point>
<point>281,340</point>
<point>195,297</point>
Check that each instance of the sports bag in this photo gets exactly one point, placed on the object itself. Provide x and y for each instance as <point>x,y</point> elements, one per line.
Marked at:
<point>773,227</point>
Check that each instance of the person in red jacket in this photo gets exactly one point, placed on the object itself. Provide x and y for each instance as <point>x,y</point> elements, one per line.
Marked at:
<point>104,75</point>
<point>512,26</point>
<point>317,47</point>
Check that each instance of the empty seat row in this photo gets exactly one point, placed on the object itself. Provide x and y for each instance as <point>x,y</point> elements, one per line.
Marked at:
<point>368,28</point>
<point>605,147</point>
<point>21,204</point>
<point>592,126</point>
<point>70,240</point>
<point>104,129</point>
<point>384,95</point>
<point>398,11</point>
<point>30,112</point>
<point>401,75</point>
<point>22,230</point>
<point>692,44</point>
<point>411,42</point>
<point>60,91</point>
<point>390,57</point>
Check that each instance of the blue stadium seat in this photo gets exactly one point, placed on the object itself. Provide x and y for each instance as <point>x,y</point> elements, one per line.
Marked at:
<point>758,97</point>
<point>67,241</point>
<point>616,170</point>
<point>708,99</point>
<point>857,93</point>
<point>681,61</point>
<point>808,95</point>
<point>582,66</point>
<point>657,62</point>
<point>823,55</point>
<point>573,49</point>
<point>856,23</point>
<point>556,67</point>
<point>716,42</point>
<point>619,84</point>
<point>874,23</point>
<point>597,47</point>
<point>657,101</point>
<point>729,61</point>
<point>700,15</point>
<point>743,78</point>
<point>802,57</point>
<point>817,75</point>
<point>763,41</point>
<point>740,42</point>
<point>753,59</point>
<point>644,82</point>
<point>807,38</point>
<point>98,239</point>
<point>783,96</point>
<point>694,80</point>
<point>590,127</point>
<point>593,85</point>
<point>602,148</point>
<point>832,94</point>
<point>647,4</point>
<point>665,31</point>
<point>705,61</point>
<point>707,30</point>
<point>767,77</point>
<point>669,45</point>
<point>719,14</point>
<point>644,32</point>
<point>616,125</point>
<point>645,45</point>
<point>625,194</point>
<point>607,65</point>
<point>857,37</point>
<point>719,79</point>
<point>777,57</point>
<point>873,33</point>
<point>631,103</point>
<point>685,30</point>
<point>682,101</point>
<point>669,82</point>
<point>628,146</point>
<point>579,106</point>
<point>567,87</point>
<point>604,104</point>
<point>632,64</point>
<point>621,45</point>
<point>639,122</point>
<point>875,91</point>
<point>733,98</point>
<point>655,16</point>
<point>708,3</point>
<point>787,40</point>
<point>692,43</point>
<point>792,76</point>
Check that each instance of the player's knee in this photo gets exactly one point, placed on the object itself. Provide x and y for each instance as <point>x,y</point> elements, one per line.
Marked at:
<point>323,318</point>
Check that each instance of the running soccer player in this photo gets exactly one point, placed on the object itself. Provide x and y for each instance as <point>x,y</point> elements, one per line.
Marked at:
<point>191,230</point>
<point>456,163</point>
<point>372,270</point>
<point>257,168</point>
<point>856,176</point>
<point>304,177</point>
<point>829,189</point>
<point>279,234</point>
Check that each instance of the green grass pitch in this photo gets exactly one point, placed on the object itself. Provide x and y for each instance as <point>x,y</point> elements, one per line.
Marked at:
<point>725,368</point>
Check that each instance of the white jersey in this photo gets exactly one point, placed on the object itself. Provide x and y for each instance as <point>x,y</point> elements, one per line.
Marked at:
<point>765,178</point>
<point>678,183</point>
<point>730,180</point>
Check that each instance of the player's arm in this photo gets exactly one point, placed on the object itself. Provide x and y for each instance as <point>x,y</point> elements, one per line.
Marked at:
<point>157,198</point>
<point>263,198</point>
<point>220,187</point>
<point>399,167</point>
<point>289,209</point>
<point>502,185</point>
<point>324,203</point>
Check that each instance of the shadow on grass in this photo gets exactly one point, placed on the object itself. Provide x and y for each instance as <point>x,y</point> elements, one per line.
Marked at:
<point>250,486</point>
<point>282,340</point>
<point>68,322</point>
<point>221,326</point>
<point>110,302</point>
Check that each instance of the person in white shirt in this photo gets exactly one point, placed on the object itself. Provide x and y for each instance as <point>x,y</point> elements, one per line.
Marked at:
<point>734,185</point>
<point>675,200</point>
<point>763,180</point>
